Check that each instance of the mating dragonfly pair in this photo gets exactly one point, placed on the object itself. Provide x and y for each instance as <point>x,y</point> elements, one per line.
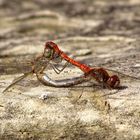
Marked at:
<point>52,53</point>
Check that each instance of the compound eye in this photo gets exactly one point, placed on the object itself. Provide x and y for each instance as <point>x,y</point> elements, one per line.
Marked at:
<point>48,53</point>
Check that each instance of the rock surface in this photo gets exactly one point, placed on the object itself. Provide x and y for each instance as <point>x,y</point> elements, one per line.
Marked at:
<point>99,33</point>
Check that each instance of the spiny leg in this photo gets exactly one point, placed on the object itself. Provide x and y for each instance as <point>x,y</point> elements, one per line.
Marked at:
<point>57,70</point>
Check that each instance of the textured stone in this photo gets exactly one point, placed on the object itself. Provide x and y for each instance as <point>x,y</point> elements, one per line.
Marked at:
<point>97,33</point>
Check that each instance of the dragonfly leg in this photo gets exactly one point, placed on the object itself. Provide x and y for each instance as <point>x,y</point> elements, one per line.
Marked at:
<point>57,70</point>
<point>42,69</point>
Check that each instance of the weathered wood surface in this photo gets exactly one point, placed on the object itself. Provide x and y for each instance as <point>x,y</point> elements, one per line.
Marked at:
<point>100,33</point>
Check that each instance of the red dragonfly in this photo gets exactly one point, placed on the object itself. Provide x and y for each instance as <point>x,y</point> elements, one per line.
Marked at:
<point>52,53</point>
<point>99,74</point>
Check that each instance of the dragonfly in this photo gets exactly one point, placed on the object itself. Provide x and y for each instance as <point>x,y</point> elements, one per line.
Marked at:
<point>53,56</point>
<point>99,74</point>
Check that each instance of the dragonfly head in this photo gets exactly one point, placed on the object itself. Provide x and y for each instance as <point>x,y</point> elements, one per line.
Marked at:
<point>48,50</point>
<point>51,51</point>
<point>113,81</point>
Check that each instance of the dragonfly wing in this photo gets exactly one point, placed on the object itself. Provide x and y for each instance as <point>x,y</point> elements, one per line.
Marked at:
<point>125,76</point>
<point>17,80</point>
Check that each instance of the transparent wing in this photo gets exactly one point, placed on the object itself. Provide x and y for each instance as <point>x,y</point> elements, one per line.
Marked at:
<point>15,81</point>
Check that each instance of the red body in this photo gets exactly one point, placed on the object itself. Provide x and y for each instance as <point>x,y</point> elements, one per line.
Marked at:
<point>100,74</point>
